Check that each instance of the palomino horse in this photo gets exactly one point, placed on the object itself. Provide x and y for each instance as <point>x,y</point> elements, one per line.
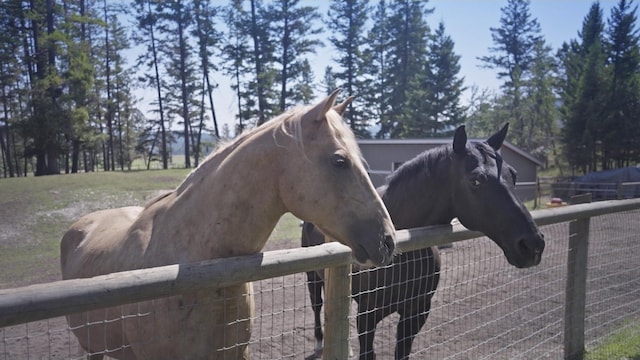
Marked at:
<point>305,161</point>
<point>469,181</point>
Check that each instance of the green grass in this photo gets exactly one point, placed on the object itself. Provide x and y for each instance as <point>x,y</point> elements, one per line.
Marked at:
<point>288,228</point>
<point>624,344</point>
<point>36,211</point>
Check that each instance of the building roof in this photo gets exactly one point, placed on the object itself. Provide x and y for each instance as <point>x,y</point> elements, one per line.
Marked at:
<point>444,141</point>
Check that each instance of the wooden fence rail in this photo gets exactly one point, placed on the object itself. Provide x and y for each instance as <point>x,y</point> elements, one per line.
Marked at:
<point>44,301</point>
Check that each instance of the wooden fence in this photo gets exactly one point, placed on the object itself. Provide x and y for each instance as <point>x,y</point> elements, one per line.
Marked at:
<point>44,301</point>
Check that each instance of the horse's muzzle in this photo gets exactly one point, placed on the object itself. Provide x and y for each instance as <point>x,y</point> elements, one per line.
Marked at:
<point>530,250</point>
<point>383,256</point>
<point>387,249</point>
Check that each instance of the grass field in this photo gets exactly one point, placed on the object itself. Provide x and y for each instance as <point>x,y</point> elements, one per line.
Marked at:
<point>624,344</point>
<point>36,211</point>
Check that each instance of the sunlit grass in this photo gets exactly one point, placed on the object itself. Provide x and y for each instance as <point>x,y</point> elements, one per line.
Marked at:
<point>624,344</point>
<point>36,211</point>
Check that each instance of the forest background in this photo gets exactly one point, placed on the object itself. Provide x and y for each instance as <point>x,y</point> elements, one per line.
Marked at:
<point>72,71</point>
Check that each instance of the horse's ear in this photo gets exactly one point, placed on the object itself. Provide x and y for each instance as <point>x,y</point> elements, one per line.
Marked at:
<point>460,140</point>
<point>341,108</point>
<point>317,112</point>
<point>496,140</point>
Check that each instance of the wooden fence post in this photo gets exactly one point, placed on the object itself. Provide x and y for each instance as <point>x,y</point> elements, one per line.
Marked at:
<point>575,302</point>
<point>336,313</point>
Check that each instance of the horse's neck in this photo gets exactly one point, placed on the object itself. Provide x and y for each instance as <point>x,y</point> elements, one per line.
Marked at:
<point>423,199</point>
<point>229,205</point>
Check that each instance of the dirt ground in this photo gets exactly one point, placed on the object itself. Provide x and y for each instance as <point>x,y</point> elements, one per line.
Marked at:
<point>483,309</point>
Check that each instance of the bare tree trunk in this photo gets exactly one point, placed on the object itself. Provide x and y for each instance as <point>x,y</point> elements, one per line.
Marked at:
<point>183,87</point>
<point>163,132</point>
<point>5,146</point>
<point>258,64</point>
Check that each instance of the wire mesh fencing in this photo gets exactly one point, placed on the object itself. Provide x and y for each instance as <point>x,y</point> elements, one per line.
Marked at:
<point>486,309</point>
<point>483,307</point>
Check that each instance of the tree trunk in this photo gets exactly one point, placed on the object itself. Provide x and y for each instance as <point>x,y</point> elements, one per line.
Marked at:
<point>183,88</point>
<point>258,63</point>
<point>163,133</point>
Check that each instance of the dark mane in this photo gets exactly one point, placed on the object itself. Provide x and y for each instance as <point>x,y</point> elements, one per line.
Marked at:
<point>422,164</point>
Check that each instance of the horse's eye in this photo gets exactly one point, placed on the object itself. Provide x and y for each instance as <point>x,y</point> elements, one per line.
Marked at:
<point>477,181</point>
<point>339,161</point>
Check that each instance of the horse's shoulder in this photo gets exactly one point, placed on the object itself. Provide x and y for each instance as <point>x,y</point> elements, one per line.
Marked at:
<point>84,245</point>
<point>101,224</point>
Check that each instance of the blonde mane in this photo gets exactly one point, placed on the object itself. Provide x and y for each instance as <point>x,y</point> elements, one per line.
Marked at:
<point>288,123</point>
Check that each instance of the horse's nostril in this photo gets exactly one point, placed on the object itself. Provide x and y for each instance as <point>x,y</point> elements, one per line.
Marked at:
<point>389,243</point>
<point>387,248</point>
<point>524,247</point>
<point>531,245</point>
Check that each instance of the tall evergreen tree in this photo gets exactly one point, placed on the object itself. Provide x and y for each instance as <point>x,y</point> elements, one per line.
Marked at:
<point>79,76</point>
<point>302,91</point>
<point>235,52</point>
<point>407,63</point>
<point>209,39</point>
<point>377,94</point>
<point>293,30</point>
<point>621,130</point>
<point>347,19</point>
<point>12,70</point>
<point>584,92</point>
<point>176,20</point>
<point>541,112</point>
<point>262,62</point>
<point>122,98</point>
<point>513,56</point>
<point>443,109</point>
<point>47,117</point>
<point>146,34</point>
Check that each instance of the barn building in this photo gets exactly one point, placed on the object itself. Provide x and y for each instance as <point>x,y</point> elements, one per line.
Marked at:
<point>384,156</point>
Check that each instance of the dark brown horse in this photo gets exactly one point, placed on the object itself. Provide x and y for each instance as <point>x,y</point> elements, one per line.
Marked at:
<point>467,180</point>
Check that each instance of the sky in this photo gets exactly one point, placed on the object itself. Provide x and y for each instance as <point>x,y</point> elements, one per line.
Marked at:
<point>467,22</point>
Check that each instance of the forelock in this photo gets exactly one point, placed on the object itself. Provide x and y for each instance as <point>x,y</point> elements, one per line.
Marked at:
<point>342,132</point>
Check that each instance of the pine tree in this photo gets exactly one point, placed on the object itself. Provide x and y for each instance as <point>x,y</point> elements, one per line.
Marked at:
<point>47,118</point>
<point>347,20</point>
<point>377,92</point>
<point>209,39</point>
<point>513,56</point>
<point>262,58</point>
<point>540,105</point>
<point>122,102</point>
<point>147,35</point>
<point>302,91</point>
<point>329,80</point>
<point>235,52</point>
<point>443,109</point>
<point>12,72</point>
<point>79,76</point>
<point>584,92</point>
<point>408,62</point>
<point>292,28</point>
<point>621,130</point>
<point>176,19</point>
